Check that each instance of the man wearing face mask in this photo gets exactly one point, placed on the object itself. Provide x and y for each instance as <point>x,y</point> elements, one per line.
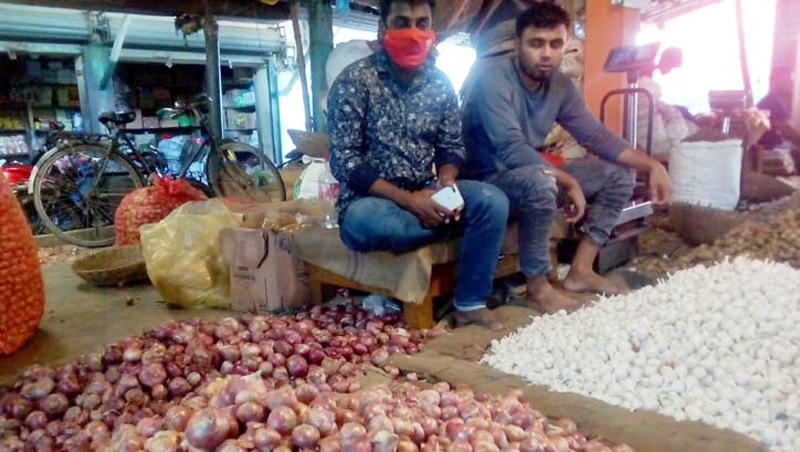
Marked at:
<point>392,116</point>
<point>513,106</point>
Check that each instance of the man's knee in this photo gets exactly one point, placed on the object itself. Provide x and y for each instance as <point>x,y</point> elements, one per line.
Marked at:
<point>357,228</point>
<point>489,203</point>
<point>620,180</point>
<point>535,188</point>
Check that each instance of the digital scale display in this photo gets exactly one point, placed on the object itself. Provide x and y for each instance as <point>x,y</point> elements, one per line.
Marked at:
<point>632,58</point>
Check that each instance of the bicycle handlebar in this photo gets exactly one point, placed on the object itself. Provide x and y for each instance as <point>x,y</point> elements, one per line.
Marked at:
<point>201,100</point>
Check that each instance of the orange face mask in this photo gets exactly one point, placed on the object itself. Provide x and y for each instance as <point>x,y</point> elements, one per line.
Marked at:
<point>408,47</point>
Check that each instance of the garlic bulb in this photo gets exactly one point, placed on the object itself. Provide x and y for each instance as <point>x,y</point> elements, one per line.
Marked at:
<point>718,344</point>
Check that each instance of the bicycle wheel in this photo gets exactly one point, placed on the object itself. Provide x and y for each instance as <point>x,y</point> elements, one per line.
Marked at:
<point>76,191</point>
<point>240,171</point>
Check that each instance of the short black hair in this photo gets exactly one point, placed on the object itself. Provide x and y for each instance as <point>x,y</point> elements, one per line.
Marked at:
<point>543,14</point>
<point>386,4</point>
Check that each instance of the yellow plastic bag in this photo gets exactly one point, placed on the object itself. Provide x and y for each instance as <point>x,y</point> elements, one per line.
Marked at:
<point>183,258</point>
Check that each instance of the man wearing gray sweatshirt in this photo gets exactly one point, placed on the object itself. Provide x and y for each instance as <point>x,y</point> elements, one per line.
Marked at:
<point>513,105</point>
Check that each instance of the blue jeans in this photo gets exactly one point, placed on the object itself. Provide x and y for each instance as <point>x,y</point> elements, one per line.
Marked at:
<point>377,224</point>
<point>533,196</point>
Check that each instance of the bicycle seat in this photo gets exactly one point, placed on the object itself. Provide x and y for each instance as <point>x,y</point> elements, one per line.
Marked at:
<point>117,117</point>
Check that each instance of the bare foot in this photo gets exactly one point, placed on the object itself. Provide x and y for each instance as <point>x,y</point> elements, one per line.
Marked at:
<point>483,317</point>
<point>591,282</point>
<point>551,300</point>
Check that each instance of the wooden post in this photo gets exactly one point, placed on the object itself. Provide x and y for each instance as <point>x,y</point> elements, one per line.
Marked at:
<point>320,21</point>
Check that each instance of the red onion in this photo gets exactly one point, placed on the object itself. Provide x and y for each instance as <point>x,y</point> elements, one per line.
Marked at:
<point>153,374</point>
<point>351,432</point>
<point>250,350</point>
<point>230,445</point>
<point>136,396</point>
<point>77,415</point>
<point>297,366</point>
<point>384,441</point>
<point>20,408</point>
<point>357,446</point>
<point>249,412</point>
<point>283,348</point>
<point>316,376</point>
<point>165,441</point>
<point>324,420</point>
<point>54,404</point>
<point>329,444</point>
<point>38,389</point>
<point>178,387</point>
<point>280,375</point>
<point>277,360</point>
<point>98,432</point>
<point>305,436</point>
<point>380,357</point>
<point>194,378</point>
<point>282,419</point>
<point>132,354</point>
<point>306,393</point>
<point>148,427</point>
<point>207,428</point>
<point>284,397</point>
<point>407,446</point>
<point>177,417</point>
<point>293,337</point>
<point>36,420</point>
<point>266,439</point>
<point>69,386</point>
<point>316,356</point>
<point>514,433</point>
<point>302,349</point>
<point>360,349</point>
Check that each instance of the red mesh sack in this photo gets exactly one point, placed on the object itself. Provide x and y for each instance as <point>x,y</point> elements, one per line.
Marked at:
<point>21,287</point>
<point>151,205</point>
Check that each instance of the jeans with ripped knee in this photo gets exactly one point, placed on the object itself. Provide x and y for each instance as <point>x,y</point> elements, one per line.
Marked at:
<point>533,197</point>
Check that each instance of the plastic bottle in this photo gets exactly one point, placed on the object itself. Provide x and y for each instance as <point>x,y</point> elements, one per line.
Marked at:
<point>329,193</point>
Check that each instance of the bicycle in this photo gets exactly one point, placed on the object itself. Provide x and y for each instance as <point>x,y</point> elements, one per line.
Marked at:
<point>91,174</point>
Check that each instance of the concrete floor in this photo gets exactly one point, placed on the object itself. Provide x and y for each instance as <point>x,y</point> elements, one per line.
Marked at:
<point>80,318</point>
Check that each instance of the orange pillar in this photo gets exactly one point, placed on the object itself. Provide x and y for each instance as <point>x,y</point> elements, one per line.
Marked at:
<point>607,26</point>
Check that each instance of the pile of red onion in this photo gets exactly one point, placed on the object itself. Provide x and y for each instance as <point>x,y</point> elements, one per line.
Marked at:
<point>268,384</point>
<point>76,406</point>
<point>240,414</point>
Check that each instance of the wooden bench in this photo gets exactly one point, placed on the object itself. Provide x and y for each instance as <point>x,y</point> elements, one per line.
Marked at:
<point>417,315</point>
<point>443,279</point>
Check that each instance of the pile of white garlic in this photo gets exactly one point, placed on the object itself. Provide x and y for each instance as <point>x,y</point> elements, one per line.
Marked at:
<point>720,345</point>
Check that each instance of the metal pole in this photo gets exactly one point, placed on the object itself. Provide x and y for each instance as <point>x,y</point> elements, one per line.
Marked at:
<point>320,19</point>
<point>301,63</point>
<point>263,113</point>
<point>631,112</point>
<point>213,74</point>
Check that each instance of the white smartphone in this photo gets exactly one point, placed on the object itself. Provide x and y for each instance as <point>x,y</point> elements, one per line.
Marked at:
<point>449,198</point>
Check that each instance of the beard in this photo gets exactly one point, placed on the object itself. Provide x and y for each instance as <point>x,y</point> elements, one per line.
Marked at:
<point>535,71</point>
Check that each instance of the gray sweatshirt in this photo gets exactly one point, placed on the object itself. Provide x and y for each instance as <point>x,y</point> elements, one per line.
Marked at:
<point>504,122</point>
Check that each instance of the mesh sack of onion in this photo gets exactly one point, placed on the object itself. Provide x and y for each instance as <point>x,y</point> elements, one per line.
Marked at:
<point>151,205</point>
<point>21,287</point>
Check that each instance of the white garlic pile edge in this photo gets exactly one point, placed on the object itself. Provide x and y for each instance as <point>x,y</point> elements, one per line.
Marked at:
<point>720,345</point>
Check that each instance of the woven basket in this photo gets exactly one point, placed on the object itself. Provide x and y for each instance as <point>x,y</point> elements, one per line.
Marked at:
<point>114,266</point>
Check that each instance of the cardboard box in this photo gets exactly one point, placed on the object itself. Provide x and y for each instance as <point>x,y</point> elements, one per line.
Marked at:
<point>262,271</point>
